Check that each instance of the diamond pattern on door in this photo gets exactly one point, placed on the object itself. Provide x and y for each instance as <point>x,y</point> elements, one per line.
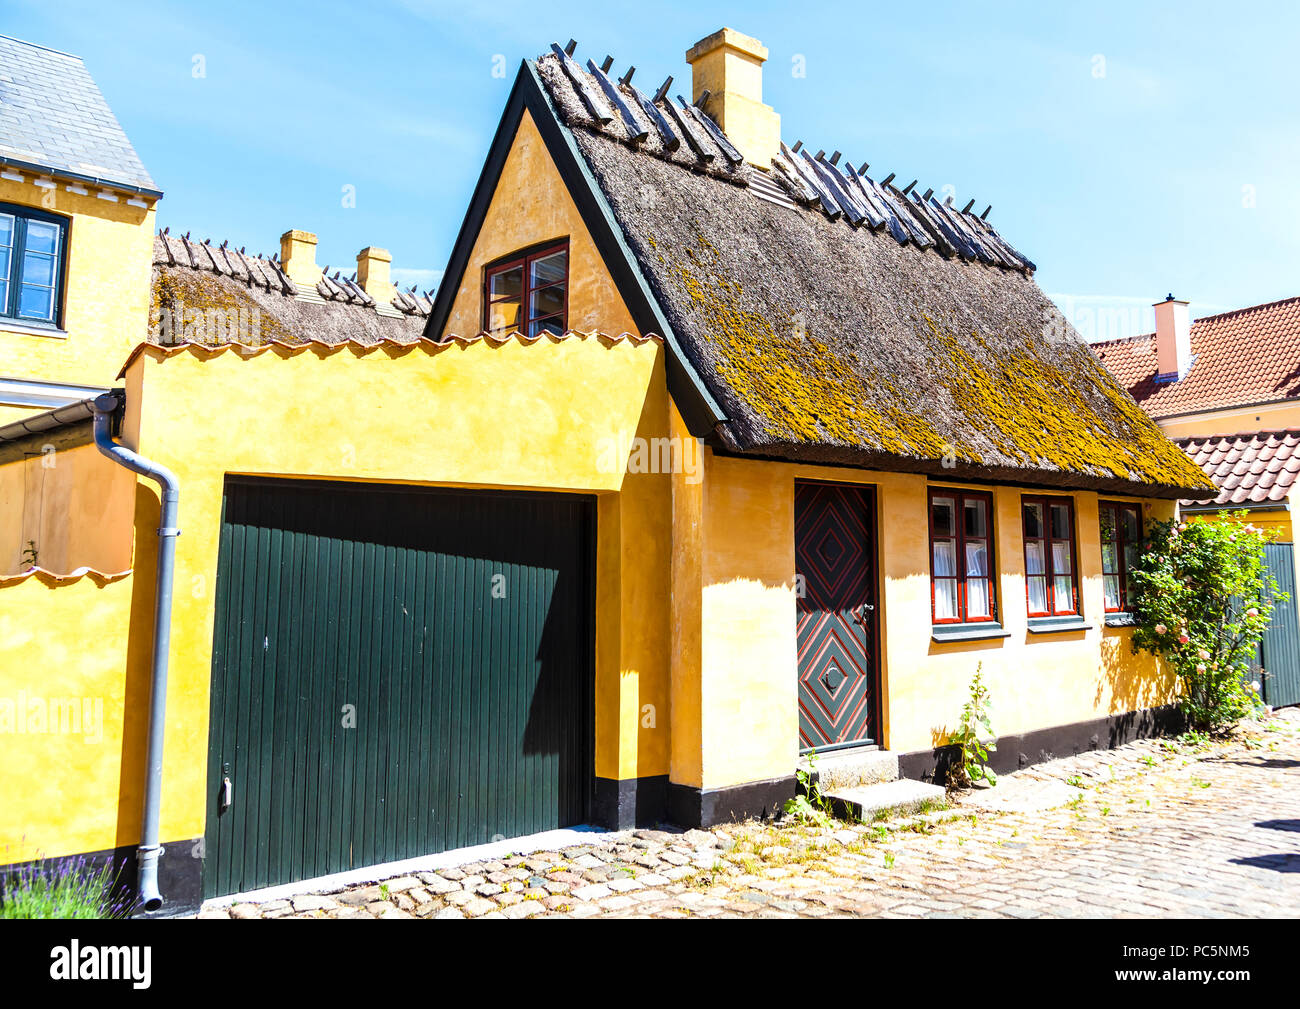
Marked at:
<point>835,555</point>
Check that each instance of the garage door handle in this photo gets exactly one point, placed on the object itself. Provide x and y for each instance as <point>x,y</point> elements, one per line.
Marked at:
<point>227,793</point>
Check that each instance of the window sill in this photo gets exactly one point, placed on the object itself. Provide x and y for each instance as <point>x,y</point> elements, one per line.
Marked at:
<point>1120,620</point>
<point>1056,625</point>
<point>31,329</point>
<point>980,631</point>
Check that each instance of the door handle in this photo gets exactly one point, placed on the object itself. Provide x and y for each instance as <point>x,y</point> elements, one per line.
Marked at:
<point>227,790</point>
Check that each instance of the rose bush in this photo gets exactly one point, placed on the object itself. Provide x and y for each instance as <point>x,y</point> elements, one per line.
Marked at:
<point>1202,600</point>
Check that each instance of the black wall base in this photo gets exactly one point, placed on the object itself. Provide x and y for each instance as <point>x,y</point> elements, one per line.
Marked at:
<point>696,807</point>
<point>648,802</point>
<point>180,874</point>
<point>1015,752</point>
<point>621,804</point>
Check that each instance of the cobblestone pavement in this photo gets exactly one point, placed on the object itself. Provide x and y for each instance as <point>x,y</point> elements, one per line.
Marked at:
<point>1152,829</point>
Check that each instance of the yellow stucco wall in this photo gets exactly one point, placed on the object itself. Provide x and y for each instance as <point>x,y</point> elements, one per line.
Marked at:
<point>535,417</point>
<point>73,786</point>
<point>532,204</point>
<point>106,297</point>
<point>1269,417</point>
<point>1279,523</point>
<point>748,654</point>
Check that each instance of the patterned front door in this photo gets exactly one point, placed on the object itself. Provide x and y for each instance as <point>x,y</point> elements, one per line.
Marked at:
<point>835,554</point>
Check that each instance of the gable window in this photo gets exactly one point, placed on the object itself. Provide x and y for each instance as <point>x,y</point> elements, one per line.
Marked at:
<point>1121,538</point>
<point>529,292</point>
<point>32,249</point>
<point>1051,581</point>
<point>961,567</point>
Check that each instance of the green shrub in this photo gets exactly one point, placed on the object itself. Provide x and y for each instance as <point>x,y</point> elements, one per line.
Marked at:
<point>1202,600</point>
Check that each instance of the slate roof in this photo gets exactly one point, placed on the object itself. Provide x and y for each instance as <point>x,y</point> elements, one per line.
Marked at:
<point>1248,469</point>
<point>1246,357</point>
<point>53,117</point>
<point>192,276</point>
<point>834,319</point>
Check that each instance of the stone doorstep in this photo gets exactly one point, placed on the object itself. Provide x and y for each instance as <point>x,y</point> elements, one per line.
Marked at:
<point>852,767</point>
<point>888,798</point>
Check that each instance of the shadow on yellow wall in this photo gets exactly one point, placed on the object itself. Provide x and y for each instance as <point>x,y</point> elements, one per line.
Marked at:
<point>1131,680</point>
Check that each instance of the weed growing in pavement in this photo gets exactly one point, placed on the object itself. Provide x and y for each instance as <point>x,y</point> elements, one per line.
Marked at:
<point>808,804</point>
<point>973,738</point>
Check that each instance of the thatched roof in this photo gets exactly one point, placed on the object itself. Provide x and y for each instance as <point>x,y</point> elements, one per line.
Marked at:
<point>212,294</point>
<point>915,341</point>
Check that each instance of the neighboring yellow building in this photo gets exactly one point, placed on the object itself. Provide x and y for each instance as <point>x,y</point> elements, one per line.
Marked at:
<point>76,231</point>
<point>1226,389</point>
<point>707,453</point>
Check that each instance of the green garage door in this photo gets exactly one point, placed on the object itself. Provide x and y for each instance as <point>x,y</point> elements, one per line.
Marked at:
<point>395,671</point>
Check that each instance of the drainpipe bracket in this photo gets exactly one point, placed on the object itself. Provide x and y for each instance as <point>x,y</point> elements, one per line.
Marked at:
<point>168,531</point>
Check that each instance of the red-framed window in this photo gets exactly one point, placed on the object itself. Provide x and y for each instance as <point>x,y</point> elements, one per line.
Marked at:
<point>1051,568</point>
<point>528,292</point>
<point>961,556</point>
<point>1121,539</point>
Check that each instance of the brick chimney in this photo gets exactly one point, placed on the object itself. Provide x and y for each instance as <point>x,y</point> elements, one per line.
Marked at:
<point>1173,339</point>
<point>729,66</point>
<point>373,273</point>
<point>298,257</point>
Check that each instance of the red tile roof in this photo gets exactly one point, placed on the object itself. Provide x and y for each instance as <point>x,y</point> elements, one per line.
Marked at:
<point>1248,469</point>
<point>1244,357</point>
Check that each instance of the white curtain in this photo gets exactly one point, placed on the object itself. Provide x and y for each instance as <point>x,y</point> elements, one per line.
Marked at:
<point>945,585</point>
<point>1034,558</point>
<point>977,588</point>
<point>1038,595</point>
<point>1111,585</point>
<point>945,599</point>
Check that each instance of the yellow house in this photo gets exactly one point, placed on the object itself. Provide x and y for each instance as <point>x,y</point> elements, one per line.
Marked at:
<point>707,454</point>
<point>1226,389</point>
<point>76,228</point>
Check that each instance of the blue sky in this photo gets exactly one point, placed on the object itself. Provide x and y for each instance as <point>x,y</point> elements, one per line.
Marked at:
<point>1130,149</point>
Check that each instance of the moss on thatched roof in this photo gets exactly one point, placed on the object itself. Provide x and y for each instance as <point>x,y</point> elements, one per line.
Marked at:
<point>828,343</point>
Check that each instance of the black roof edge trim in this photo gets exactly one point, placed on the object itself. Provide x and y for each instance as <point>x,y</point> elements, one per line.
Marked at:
<point>91,180</point>
<point>699,409</point>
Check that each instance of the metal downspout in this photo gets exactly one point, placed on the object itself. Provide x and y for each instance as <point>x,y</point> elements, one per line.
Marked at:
<point>149,850</point>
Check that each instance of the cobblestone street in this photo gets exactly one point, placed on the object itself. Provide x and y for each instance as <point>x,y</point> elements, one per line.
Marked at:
<point>1155,828</point>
